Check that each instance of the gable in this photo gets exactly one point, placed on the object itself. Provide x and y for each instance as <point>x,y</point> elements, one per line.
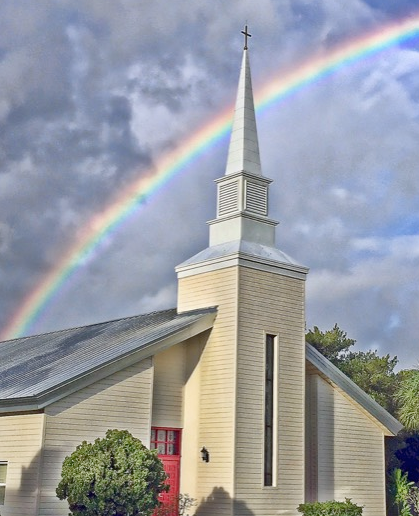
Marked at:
<point>36,371</point>
<point>339,380</point>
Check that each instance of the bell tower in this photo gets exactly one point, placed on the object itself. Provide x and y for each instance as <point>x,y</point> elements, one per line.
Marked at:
<point>249,385</point>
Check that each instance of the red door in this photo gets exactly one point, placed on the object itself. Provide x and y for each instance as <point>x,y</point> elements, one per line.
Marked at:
<point>167,443</point>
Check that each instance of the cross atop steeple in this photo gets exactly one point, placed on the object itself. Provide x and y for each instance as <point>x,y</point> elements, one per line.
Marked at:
<point>246,35</point>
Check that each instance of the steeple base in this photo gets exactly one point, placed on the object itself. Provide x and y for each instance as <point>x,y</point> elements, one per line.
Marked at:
<point>242,226</point>
<point>242,253</point>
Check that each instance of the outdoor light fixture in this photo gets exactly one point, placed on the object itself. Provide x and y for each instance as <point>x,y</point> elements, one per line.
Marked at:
<point>204,454</point>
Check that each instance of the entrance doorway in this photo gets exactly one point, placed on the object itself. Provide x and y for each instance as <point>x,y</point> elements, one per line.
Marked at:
<point>167,443</point>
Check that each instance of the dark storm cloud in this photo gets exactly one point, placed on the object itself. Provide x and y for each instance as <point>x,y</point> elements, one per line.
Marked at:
<point>93,93</point>
<point>394,8</point>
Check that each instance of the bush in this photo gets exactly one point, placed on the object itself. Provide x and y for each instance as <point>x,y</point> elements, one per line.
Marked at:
<point>114,476</point>
<point>401,490</point>
<point>179,506</point>
<point>330,508</point>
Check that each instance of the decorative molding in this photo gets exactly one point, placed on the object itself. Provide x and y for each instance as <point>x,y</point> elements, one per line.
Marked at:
<point>243,260</point>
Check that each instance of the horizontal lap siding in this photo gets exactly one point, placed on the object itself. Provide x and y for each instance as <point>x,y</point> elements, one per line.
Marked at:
<point>350,452</point>
<point>122,401</point>
<point>169,379</point>
<point>214,485</point>
<point>20,446</point>
<point>270,303</point>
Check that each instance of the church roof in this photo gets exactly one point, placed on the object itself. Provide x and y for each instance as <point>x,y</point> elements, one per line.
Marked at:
<point>350,388</point>
<point>242,246</point>
<point>37,370</point>
<point>246,252</point>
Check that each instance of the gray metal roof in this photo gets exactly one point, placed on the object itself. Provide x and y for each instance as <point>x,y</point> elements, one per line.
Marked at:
<point>244,247</point>
<point>351,389</point>
<point>36,370</point>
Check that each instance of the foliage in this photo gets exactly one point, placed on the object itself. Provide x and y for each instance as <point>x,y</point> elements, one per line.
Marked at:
<point>413,499</point>
<point>181,504</point>
<point>331,343</point>
<point>331,508</point>
<point>400,488</point>
<point>407,396</point>
<point>407,454</point>
<point>374,374</point>
<point>114,476</point>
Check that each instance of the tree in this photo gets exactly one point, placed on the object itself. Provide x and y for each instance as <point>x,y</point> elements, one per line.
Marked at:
<point>407,396</point>
<point>401,489</point>
<point>374,374</point>
<point>331,343</point>
<point>406,451</point>
<point>114,476</point>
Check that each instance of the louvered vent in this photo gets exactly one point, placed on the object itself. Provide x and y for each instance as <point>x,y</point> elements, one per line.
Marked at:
<point>256,198</point>
<point>228,198</point>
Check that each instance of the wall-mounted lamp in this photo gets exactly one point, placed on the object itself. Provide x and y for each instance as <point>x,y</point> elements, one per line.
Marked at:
<point>204,454</point>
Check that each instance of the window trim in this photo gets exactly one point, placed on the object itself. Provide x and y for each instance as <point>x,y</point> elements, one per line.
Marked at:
<point>3,484</point>
<point>177,442</point>
<point>270,400</point>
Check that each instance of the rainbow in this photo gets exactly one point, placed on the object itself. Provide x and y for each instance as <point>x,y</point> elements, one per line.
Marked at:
<point>168,166</point>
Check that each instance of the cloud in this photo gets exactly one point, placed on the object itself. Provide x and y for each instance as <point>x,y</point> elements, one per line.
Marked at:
<point>376,298</point>
<point>94,93</point>
<point>5,237</point>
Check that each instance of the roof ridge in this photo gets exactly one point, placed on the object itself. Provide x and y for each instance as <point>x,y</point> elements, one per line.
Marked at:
<point>354,391</point>
<point>147,314</point>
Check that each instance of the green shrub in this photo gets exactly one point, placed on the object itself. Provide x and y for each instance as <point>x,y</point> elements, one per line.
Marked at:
<point>114,476</point>
<point>400,491</point>
<point>413,499</point>
<point>179,506</point>
<point>330,508</point>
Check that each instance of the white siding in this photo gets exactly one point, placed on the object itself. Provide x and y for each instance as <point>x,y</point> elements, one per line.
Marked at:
<point>231,419</point>
<point>20,446</point>
<point>216,404</point>
<point>169,379</point>
<point>122,401</point>
<point>176,386</point>
<point>191,440</point>
<point>274,304</point>
<point>350,451</point>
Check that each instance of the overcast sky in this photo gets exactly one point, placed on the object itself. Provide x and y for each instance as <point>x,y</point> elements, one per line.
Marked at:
<point>92,93</point>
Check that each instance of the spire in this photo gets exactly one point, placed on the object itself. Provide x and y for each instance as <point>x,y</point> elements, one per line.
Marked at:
<point>242,200</point>
<point>242,232</point>
<point>243,153</point>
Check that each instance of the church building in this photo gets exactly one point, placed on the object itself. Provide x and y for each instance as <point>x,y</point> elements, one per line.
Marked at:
<point>247,418</point>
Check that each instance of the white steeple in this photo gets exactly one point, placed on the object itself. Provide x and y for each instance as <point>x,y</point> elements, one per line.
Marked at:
<point>242,233</point>
<point>242,206</point>
<point>243,153</point>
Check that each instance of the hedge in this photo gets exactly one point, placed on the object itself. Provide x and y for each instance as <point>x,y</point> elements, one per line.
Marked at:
<point>330,508</point>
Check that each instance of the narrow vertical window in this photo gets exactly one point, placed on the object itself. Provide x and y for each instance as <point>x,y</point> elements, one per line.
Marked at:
<point>3,471</point>
<point>269,410</point>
